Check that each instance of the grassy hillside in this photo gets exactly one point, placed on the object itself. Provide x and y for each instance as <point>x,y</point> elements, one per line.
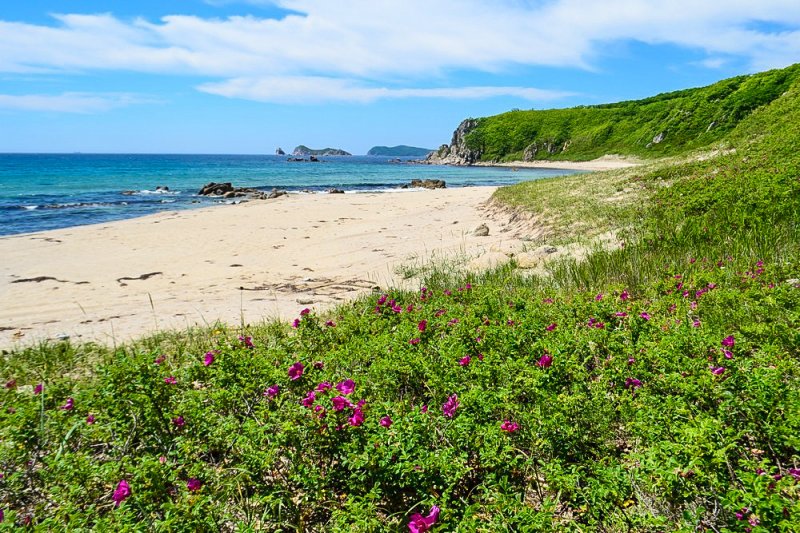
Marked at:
<point>667,124</point>
<point>652,387</point>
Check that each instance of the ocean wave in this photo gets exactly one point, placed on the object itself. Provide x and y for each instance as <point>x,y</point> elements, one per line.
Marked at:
<point>147,192</point>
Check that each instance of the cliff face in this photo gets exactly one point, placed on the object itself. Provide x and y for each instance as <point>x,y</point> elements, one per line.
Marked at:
<point>457,152</point>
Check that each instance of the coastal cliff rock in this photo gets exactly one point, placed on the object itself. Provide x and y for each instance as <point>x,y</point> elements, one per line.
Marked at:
<point>457,152</point>
<point>279,151</point>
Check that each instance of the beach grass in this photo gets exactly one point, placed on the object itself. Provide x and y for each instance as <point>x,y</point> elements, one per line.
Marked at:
<point>650,386</point>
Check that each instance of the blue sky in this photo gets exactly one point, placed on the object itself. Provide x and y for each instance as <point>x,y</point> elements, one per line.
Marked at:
<point>246,76</point>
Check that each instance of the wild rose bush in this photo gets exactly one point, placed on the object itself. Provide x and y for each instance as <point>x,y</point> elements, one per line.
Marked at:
<point>518,408</point>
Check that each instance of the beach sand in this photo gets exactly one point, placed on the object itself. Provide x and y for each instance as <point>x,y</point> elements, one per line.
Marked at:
<point>239,263</point>
<point>606,162</point>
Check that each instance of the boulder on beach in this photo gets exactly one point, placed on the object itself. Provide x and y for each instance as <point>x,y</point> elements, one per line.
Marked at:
<point>425,184</point>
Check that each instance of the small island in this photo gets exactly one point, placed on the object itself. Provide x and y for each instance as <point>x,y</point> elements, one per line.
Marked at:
<point>304,151</point>
<point>399,151</point>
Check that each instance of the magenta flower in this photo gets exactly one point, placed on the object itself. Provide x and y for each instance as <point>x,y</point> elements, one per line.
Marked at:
<point>624,295</point>
<point>545,361</point>
<point>296,323</point>
<point>178,421</point>
<point>69,405</point>
<point>160,359</point>
<point>340,403</point>
<point>464,361</point>
<point>728,341</point>
<point>346,387</point>
<point>208,359</point>
<point>194,484</point>
<point>382,299</point>
<point>421,524</point>
<point>741,513</point>
<point>414,341</point>
<point>11,384</point>
<point>631,360</point>
<point>645,315</point>
<point>621,314</point>
<point>598,297</point>
<point>551,327</point>
<point>248,341</point>
<point>305,311</point>
<point>753,520</point>
<point>90,419</point>
<point>319,365</point>
<point>272,391</point>
<point>449,407</point>
<point>121,493</point>
<point>296,371</point>
<point>632,383</point>
<point>717,370</point>
<point>386,421</point>
<point>171,380</point>
<point>38,389</point>
<point>547,300</point>
<point>422,326</point>
<point>439,313</point>
<point>357,419</point>
<point>324,386</point>
<point>330,324</point>
<point>308,401</point>
<point>727,353</point>
<point>509,426</point>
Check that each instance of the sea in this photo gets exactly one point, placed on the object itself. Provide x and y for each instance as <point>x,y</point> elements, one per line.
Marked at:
<point>41,192</point>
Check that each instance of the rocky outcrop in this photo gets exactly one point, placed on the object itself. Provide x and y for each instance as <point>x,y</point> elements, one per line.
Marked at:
<point>425,184</point>
<point>457,152</point>
<point>279,151</point>
<point>227,190</point>
<point>304,151</point>
<point>543,148</point>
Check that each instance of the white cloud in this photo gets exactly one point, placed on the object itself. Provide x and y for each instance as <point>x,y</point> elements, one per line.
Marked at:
<point>372,47</point>
<point>315,89</point>
<point>69,102</point>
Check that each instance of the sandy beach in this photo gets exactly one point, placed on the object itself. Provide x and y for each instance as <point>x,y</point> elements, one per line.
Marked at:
<point>606,162</point>
<point>261,259</point>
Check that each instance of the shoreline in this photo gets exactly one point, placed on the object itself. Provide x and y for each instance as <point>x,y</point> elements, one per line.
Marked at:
<point>116,281</point>
<point>606,162</point>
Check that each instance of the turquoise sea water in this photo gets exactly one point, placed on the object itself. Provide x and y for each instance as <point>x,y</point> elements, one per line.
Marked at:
<point>47,191</point>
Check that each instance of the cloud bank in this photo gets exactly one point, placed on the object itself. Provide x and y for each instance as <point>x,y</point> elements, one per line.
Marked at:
<point>366,50</point>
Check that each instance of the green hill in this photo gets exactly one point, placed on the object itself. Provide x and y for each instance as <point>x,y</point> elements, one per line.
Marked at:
<point>399,151</point>
<point>663,125</point>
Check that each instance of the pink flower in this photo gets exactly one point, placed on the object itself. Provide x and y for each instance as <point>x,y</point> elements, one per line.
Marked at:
<point>551,327</point>
<point>727,354</point>
<point>382,299</point>
<point>449,407</point>
<point>631,360</point>
<point>439,313</point>
<point>69,405</point>
<point>170,380</point>
<point>598,297</point>
<point>632,383</point>
<point>509,426</point>
<point>208,359</point>
<point>414,341</point>
<point>330,324</point>
<point>296,371</point>
<point>160,359</point>
<point>38,389</point>
<point>324,386</point>
<point>421,524</point>
<point>547,300</point>
<point>422,326</point>
<point>308,401</point>
<point>178,421</point>
<point>194,484</point>
<point>464,361</point>
<point>346,387</point>
<point>728,341</point>
<point>696,323</point>
<point>319,365</point>
<point>340,403</point>
<point>717,370</point>
<point>296,323</point>
<point>90,419</point>
<point>545,361</point>
<point>621,314</point>
<point>386,421</point>
<point>248,341</point>
<point>624,295</point>
<point>645,315</point>
<point>122,493</point>
<point>272,391</point>
<point>305,311</point>
<point>11,384</point>
<point>423,409</point>
<point>357,419</point>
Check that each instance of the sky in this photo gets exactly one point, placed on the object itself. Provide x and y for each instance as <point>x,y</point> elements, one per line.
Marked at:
<point>248,76</point>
